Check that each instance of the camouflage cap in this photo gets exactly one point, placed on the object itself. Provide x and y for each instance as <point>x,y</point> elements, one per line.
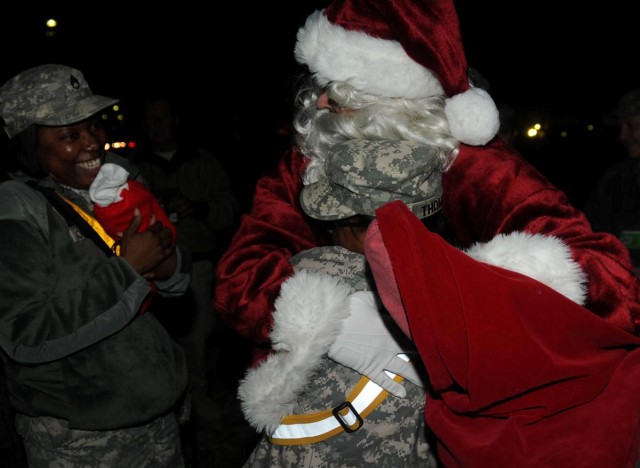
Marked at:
<point>628,106</point>
<point>363,175</point>
<point>49,95</point>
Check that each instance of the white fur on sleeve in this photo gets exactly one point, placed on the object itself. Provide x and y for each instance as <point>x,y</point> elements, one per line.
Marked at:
<point>308,315</point>
<point>543,258</point>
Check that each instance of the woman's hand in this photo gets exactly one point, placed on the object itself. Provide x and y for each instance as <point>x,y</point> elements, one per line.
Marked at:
<point>152,252</point>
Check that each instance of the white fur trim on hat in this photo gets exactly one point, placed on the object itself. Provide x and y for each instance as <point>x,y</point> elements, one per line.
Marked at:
<point>370,64</point>
<point>473,117</point>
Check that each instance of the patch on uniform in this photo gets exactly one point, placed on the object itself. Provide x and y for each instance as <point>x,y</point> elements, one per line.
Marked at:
<point>75,233</point>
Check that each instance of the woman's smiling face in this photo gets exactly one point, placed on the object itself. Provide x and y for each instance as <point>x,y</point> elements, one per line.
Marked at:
<point>72,154</point>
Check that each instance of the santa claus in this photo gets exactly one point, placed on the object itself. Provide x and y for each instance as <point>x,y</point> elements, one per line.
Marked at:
<point>396,69</point>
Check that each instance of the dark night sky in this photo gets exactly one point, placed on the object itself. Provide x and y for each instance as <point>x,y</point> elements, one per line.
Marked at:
<point>541,53</point>
<point>233,63</point>
<point>554,53</point>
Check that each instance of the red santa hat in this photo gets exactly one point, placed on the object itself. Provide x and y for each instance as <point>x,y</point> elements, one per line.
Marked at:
<point>399,48</point>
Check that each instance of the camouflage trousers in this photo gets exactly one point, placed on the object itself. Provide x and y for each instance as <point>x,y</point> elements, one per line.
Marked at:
<point>50,443</point>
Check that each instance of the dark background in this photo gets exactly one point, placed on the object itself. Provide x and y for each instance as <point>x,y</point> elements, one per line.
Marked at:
<point>562,63</point>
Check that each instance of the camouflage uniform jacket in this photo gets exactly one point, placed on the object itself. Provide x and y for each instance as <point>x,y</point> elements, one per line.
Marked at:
<point>300,379</point>
<point>74,345</point>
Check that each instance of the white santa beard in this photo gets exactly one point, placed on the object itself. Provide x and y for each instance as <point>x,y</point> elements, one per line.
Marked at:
<point>325,129</point>
<point>323,134</point>
<point>421,121</point>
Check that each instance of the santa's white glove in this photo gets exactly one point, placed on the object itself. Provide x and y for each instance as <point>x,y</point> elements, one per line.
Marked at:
<point>370,342</point>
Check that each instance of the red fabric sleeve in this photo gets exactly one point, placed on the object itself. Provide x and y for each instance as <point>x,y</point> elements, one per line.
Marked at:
<point>492,190</point>
<point>519,375</point>
<point>256,263</point>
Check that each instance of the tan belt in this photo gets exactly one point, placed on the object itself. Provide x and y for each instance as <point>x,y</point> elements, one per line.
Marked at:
<point>303,429</point>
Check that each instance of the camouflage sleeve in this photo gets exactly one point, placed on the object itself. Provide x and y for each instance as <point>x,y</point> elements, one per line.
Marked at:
<point>337,262</point>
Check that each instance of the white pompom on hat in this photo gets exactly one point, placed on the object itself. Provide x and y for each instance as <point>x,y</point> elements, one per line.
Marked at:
<point>399,48</point>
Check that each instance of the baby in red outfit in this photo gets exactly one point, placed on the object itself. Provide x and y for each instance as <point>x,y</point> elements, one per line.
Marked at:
<point>115,197</point>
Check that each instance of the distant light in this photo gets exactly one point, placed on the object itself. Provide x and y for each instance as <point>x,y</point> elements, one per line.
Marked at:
<point>116,145</point>
<point>51,25</point>
<point>120,117</point>
<point>116,107</point>
<point>590,128</point>
<point>532,132</point>
<point>563,133</point>
<point>537,126</point>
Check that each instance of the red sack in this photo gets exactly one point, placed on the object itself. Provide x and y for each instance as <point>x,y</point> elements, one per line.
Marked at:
<point>520,376</point>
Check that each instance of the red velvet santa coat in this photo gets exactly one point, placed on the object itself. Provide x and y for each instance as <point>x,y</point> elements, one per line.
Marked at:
<point>488,191</point>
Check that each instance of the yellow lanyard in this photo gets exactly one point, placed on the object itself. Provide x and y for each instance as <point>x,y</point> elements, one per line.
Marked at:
<point>93,222</point>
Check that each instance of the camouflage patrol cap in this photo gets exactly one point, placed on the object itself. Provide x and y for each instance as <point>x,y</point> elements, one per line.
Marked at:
<point>628,106</point>
<point>363,175</point>
<point>49,95</point>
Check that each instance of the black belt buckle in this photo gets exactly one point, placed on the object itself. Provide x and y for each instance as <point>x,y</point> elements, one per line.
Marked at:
<point>338,416</point>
